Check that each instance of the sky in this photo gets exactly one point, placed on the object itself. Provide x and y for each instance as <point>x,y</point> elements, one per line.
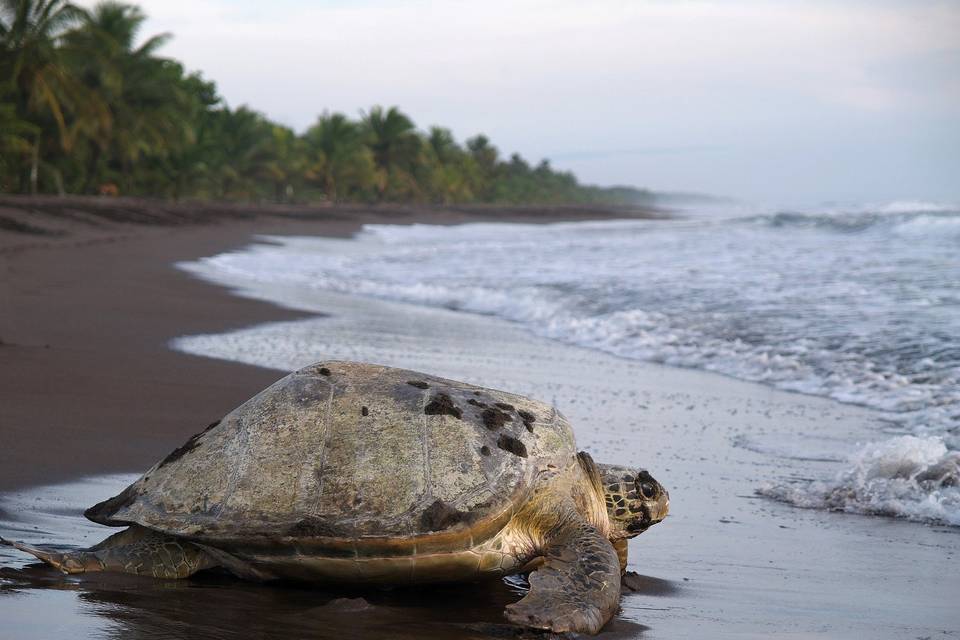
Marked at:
<point>788,102</point>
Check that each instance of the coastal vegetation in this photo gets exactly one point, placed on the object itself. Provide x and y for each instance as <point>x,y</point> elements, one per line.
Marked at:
<point>87,107</point>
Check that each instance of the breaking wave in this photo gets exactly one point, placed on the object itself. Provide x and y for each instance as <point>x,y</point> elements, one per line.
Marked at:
<point>908,477</point>
<point>858,304</point>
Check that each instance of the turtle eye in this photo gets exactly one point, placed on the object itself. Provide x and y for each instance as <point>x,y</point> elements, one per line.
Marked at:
<point>648,490</point>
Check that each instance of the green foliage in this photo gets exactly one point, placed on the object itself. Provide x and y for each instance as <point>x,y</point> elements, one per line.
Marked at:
<point>338,159</point>
<point>84,108</point>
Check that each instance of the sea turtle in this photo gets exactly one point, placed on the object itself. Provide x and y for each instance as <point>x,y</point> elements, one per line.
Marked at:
<point>345,472</point>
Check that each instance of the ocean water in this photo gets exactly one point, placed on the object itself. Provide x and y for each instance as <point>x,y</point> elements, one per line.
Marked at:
<point>859,304</point>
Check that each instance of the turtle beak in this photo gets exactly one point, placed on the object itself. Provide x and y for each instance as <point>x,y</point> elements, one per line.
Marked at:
<point>662,507</point>
<point>655,512</point>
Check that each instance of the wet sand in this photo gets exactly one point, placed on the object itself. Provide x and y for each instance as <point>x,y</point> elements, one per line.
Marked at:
<point>109,396</point>
<point>726,563</point>
<point>89,300</point>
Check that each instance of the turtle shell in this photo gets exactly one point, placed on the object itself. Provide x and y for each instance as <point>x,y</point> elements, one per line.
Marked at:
<point>345,454</point>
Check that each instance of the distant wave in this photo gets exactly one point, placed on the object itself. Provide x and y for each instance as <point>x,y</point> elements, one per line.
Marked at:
<point>917,206</point>
<point>894,218</point>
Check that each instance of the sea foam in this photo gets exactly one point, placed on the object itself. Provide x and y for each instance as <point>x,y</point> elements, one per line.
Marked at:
<point>910,477</point>
<point>859,305</point>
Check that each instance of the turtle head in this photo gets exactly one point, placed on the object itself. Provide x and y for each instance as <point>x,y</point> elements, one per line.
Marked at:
<point>635,501</point>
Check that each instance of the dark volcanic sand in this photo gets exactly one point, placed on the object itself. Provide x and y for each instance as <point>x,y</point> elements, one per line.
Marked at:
<point>108,396</point>
<point>89,300</point>
<point>88,386</point>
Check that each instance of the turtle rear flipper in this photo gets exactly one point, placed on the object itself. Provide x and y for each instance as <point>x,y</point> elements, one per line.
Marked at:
<point>136,550</point>
<point>578,586</point>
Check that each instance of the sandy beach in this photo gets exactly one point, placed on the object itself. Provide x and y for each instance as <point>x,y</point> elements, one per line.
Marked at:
<point>92,392</point>
<point>90,300</point>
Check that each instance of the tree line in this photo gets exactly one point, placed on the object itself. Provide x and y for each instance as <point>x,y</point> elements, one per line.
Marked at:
<point>86,108</point>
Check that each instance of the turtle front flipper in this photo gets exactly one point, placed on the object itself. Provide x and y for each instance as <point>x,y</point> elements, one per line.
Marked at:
<point>135,550</point>
<point>578,586</point>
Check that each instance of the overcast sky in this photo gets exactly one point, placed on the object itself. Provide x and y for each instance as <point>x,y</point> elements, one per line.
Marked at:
<point>794,102</point>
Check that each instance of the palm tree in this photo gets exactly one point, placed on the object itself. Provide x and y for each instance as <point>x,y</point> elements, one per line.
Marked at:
<point>444,147</point>
<point>447,167</point>
<point>188,166</point>
<point>239,143</point>
<point>338,159</point>
<point>142,94</point>
<point>278,159</point>
<point>393,137</point>
<point>484,166</point>
<point>395,145</point>
<point>30,31</point>
<point>15,138</point>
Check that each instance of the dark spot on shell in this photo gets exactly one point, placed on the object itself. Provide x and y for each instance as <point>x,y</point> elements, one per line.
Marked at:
<point>626,478</point>
<point>620,502</point>
<point>440,516</point>
<point>528,419</point>
<point>101,513</point>
<point>613,487</point>
<point>442,405</point>
<point>316,528</point>
<point>505,406</point>
<point>511,444</point>
<point>632,495</point>
<point>364,411</point>
<point>485,450</point>
<point>323,371</point>
<point>476,403</point>
<point>494,418</point>
<point>187,446</point>
<point>419,384</point>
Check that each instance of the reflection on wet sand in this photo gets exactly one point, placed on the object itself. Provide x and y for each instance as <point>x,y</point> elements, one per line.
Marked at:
<point>216,605</point>
<point>38,602</point>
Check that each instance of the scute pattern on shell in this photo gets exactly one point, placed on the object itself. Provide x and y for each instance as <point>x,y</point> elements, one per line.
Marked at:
<point>347,451</point>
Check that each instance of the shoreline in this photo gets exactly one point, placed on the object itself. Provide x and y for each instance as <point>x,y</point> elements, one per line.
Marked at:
<point>90,313</point>
<point>725,563</point>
